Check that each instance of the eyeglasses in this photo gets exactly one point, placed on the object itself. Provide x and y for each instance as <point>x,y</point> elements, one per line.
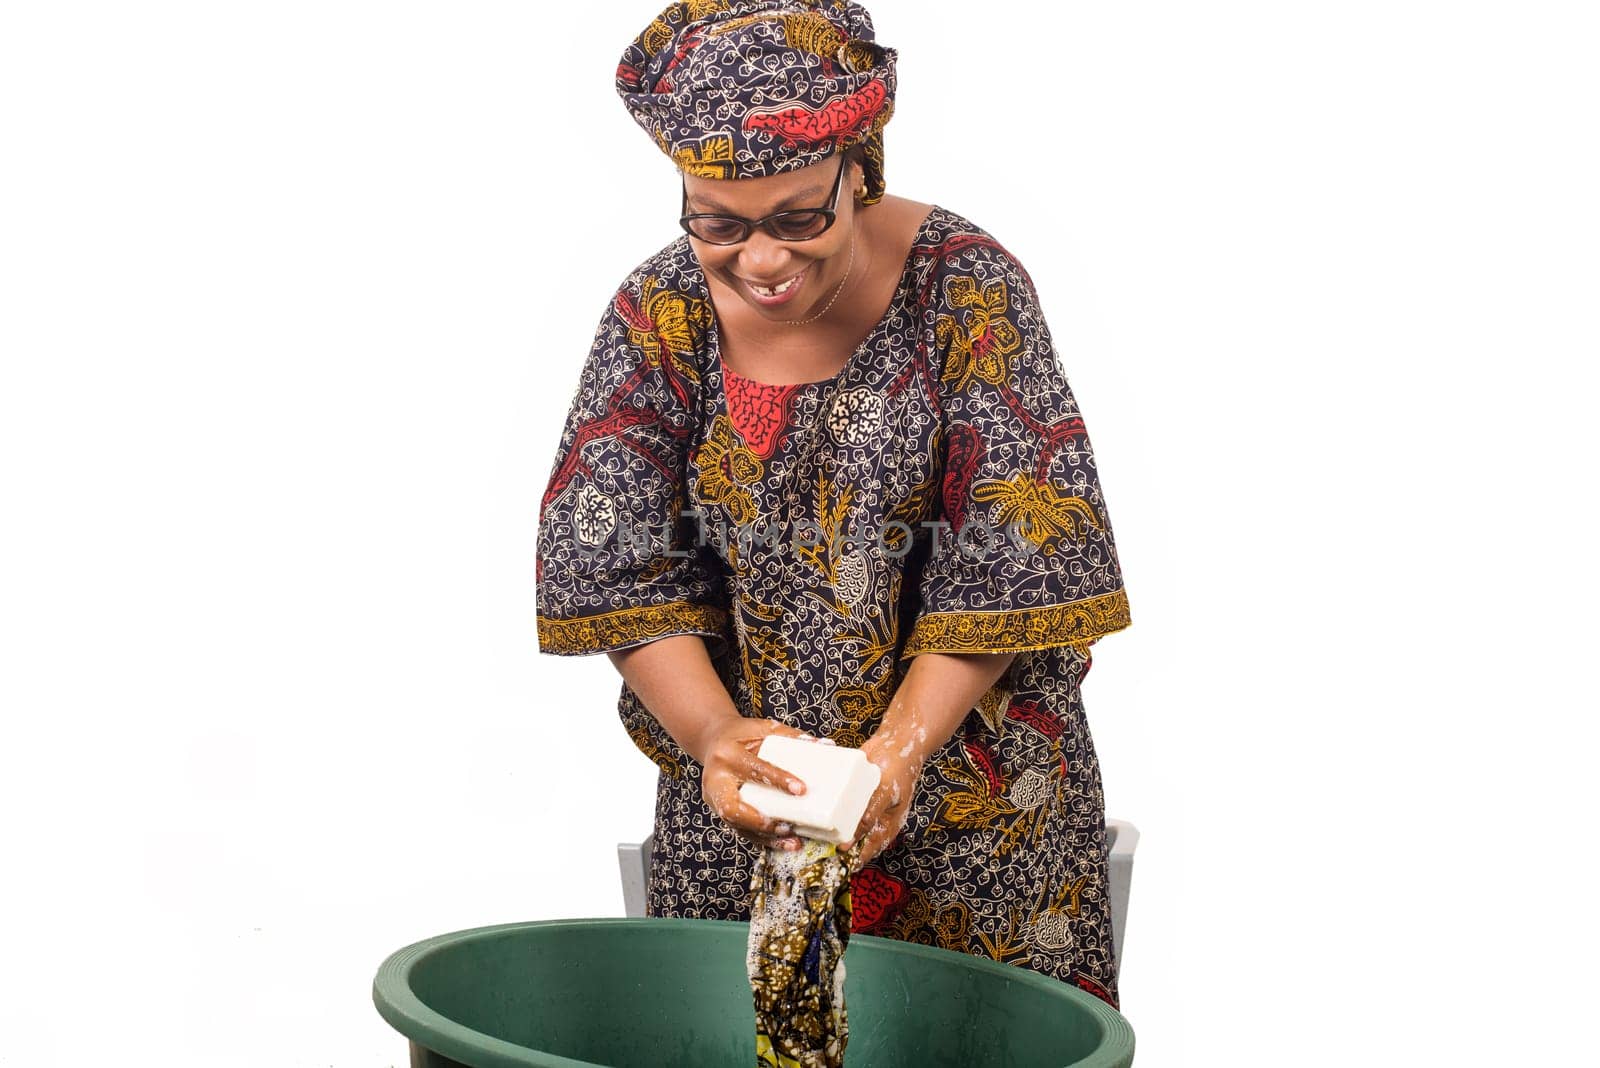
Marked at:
<point>801,224</point>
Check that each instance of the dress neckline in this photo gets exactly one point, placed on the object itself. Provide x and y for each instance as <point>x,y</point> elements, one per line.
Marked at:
<point>895,301</point>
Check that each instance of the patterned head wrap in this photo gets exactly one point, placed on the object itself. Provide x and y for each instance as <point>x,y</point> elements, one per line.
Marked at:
<point>748,88</point>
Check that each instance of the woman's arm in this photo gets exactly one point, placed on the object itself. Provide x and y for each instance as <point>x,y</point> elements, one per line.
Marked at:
<point>674,678</point>
<point>933,700</point>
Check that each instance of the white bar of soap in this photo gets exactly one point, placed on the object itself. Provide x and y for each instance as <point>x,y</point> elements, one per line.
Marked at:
<point>839,783</point>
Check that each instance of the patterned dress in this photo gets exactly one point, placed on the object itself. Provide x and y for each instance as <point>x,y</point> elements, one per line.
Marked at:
<point>939,494</point>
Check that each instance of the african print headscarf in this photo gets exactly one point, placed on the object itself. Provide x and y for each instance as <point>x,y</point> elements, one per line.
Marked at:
<point>748,88</point>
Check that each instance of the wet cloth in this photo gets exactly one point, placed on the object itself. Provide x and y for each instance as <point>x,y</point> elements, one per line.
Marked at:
<point>749,88</point>
<point>799,928</point>
<point>952,424</point>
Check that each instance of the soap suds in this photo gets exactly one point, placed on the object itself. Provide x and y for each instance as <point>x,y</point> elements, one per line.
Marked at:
<point>838,988</point>
<point>920,738</point>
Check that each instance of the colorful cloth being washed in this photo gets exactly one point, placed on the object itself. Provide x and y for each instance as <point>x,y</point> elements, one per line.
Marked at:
<point>799,928</point>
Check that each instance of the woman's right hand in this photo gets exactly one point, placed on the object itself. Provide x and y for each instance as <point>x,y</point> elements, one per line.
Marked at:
<point>728,756</point>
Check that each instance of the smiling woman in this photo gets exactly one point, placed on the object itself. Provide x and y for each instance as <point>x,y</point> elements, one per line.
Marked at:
<point>770,260</point>
<point>898,537</point>
<point>788,251</point>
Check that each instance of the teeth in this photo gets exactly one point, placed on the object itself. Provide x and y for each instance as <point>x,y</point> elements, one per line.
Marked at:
<point>765,292</point>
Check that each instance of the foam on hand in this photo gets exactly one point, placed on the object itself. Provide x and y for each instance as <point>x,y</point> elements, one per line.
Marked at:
<point>839,783</point>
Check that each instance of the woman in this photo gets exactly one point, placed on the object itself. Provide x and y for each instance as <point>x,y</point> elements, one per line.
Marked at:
<point>824,475</point>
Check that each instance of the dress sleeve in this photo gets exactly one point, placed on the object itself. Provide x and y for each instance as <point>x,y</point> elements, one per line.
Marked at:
<point>1027,560</point>
<point>620,561</point>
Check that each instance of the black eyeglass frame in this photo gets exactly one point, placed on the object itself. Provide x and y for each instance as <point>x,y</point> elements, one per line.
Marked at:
<point>829,214</point>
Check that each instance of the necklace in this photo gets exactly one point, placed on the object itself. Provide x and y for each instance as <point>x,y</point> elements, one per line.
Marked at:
<point>839,289</point>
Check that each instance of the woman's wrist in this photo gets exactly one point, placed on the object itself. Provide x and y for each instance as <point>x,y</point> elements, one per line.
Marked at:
<point>906,744</point>
<point>702,738</point>
<point>674,679</point>
<point>933,700</point>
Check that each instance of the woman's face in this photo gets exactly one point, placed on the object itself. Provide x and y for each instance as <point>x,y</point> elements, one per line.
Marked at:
<point>818,264</point>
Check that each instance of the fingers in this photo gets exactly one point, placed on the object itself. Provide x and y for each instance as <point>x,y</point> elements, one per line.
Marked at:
<point>862,849</point>
<point>868,825</point>
<point>879,825</point>
<point>782,838</point>
<point>758,770</point>
<point>728,767</point>
<point>753,826</point>
<point>876,839</point>
<point>859,855</point>
<point>876,807</point>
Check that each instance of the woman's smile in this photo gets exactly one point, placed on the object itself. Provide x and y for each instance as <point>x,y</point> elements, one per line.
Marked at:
<point>778,292</point>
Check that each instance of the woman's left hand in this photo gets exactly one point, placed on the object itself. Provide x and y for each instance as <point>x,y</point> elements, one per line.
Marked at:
<point>886,813</point>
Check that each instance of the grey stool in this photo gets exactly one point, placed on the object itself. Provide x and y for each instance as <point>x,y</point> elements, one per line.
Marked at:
<point>1122,838</point>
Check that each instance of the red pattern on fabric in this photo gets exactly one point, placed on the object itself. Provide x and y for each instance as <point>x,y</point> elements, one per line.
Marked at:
<point>1083,982</point>
<point>1038,717</point>
<point>760,412</point>
<point>801,124</point>
<point>984,759</point>
<point>965,452</point>
<point>876,897</point>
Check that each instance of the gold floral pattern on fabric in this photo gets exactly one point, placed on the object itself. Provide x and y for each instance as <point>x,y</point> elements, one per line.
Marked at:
<point>903,518</point>
<point>1039,511</point>
<point>761,648</point>
<point>666,325</point>
<point>1030,628</point>
<point>832,506</point>
<point>981,340</point>
<point>658,34</point>
<point>817,35</point>
<point>640,735</point>
<point>861,708</point>
<point>870,638</point>
<point>627,626</point>
<point>992,707</point>
<point>727,470</point>
<point>1013,811</point>
<point>711,157</point>
<point>920,920</point>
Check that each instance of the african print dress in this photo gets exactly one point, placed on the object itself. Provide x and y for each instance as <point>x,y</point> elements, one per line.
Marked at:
<point>939,494</point>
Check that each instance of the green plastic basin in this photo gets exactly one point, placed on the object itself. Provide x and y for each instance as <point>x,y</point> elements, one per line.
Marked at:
<point>667,993</point>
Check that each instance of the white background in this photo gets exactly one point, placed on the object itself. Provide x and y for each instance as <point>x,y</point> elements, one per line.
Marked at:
<point>294,297</point>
